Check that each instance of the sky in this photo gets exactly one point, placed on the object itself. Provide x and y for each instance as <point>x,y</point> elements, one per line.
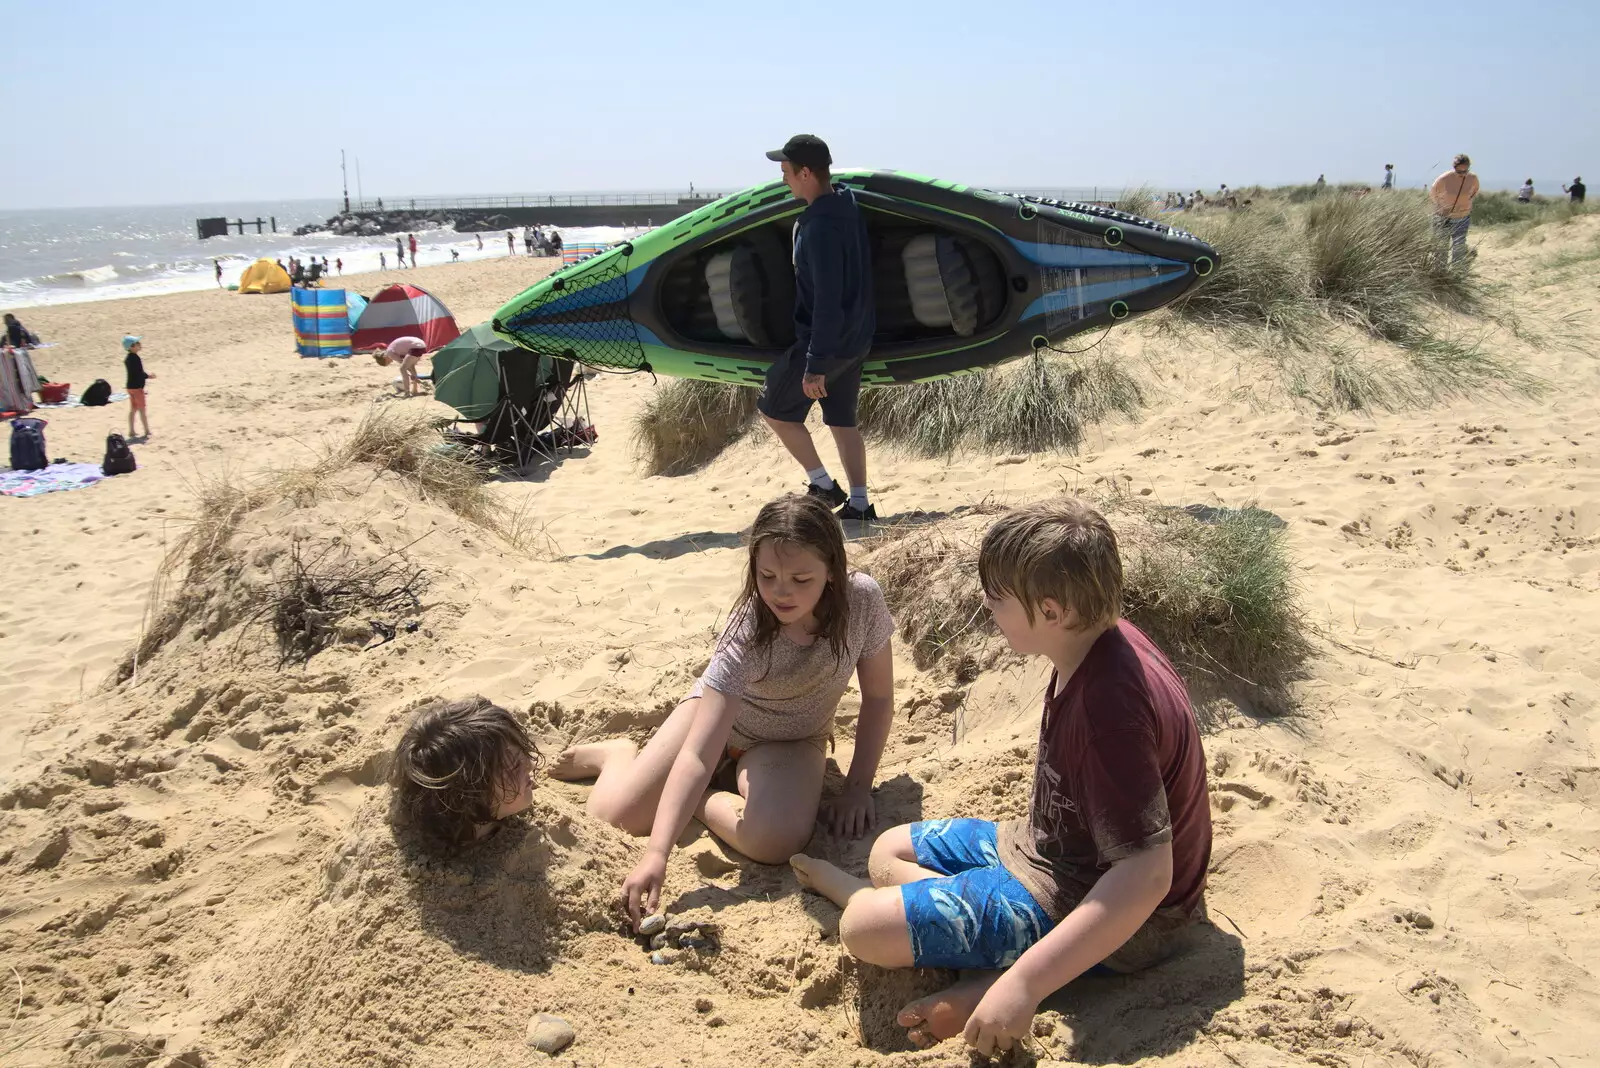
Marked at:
<point>171,101</point>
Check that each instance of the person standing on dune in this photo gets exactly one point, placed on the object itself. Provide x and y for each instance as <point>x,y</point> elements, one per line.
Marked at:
<point>834,317</point>
<point>1452,194</point>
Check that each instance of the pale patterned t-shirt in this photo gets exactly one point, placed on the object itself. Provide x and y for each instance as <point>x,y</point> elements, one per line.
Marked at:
<point>789,692</point>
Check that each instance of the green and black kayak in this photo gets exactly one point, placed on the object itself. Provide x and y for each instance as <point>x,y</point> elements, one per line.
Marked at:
<point>965,278</point>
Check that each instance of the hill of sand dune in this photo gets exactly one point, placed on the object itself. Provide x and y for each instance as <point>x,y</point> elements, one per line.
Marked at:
<point>198,868</point>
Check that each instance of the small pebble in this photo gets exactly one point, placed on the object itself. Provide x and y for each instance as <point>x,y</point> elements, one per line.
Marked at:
<point>662,940</point>
<point>690,941</point>
<point>549,1034</point>
<point>703,1005</point>
<point>653,925</point>
<point>659,957</point>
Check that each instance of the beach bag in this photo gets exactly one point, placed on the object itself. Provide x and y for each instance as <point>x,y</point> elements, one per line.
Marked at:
<point>53,392</point>
<point>119,458</point>
<point>27,445</point>
<point>98,394</point>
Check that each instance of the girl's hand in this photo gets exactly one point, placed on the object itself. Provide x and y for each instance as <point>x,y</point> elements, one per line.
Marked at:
<point>641,890</point>
<point>852,813</point>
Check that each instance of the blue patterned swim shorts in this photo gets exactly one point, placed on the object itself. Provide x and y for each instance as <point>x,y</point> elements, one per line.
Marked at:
<point>979,917</point>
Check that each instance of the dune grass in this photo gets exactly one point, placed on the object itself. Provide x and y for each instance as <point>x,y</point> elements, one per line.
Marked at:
<point>1042,402</point>
<point>1217,594</point>
<point>687,423</point>
<point>1140,201</point>
<point>1295,278</point>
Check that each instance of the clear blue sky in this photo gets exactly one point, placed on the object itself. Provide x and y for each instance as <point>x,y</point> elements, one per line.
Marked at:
<point>172,102</point>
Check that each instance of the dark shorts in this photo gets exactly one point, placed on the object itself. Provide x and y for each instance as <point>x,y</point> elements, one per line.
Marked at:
<point>783,399</point>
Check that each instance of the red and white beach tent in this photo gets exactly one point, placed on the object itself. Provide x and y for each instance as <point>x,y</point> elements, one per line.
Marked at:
<point>400,311</point>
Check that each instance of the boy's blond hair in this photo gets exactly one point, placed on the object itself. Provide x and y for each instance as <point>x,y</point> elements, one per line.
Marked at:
<point>1061,549</point>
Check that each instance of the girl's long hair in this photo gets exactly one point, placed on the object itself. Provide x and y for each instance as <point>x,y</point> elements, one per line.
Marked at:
<point>803,521</point>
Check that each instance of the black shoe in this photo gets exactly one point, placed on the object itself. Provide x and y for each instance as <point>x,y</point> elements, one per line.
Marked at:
<point>832,497</point>
<point>851,514</point>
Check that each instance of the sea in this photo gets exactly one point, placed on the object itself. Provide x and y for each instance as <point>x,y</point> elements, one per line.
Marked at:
<point>67,255</point>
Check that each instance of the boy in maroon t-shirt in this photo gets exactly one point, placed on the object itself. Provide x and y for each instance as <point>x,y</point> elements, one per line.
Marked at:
<point>1108,870</point>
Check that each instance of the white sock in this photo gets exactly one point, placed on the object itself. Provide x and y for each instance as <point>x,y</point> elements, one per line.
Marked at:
<point>858,498</point>
<point>819,477</point>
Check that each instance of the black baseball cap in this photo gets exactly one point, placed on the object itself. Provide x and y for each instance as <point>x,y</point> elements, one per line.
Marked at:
<point>804,150</point>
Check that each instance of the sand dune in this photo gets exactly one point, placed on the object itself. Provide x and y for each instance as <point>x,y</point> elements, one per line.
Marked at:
<point>196,859</point>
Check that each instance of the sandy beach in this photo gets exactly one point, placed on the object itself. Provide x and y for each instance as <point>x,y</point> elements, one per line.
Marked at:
<point>197,867</point>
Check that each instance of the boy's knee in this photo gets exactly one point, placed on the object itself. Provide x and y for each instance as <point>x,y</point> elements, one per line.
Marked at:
<point>890,846</point>
<point>873,929</point>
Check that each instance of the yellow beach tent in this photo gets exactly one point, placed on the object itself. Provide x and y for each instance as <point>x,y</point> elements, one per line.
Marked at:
<point>264,276</point>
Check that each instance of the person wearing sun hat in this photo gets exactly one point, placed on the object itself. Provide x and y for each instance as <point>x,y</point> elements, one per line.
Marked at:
<point>137,376</point>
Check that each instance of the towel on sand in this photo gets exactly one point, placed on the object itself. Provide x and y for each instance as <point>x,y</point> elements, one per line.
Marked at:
<point>73,401</point>
<point>48,480</point>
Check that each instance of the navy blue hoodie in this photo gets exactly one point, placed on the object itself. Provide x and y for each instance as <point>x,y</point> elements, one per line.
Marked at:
<point>834,313</point>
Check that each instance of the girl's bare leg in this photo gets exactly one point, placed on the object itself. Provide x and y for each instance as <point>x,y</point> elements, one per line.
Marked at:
<point>775,812</point>
<point>628,781</point>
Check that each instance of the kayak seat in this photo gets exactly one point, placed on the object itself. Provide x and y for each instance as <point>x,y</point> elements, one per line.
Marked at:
<point>751,288</point>
<point>942,282</point>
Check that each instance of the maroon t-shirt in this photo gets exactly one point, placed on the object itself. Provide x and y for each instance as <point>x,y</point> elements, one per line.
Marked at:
<point>1120,769</point>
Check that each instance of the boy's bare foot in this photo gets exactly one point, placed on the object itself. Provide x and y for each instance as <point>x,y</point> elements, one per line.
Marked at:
<point>827,879</point>
<point>944,1015</point>
<point>587,761</point>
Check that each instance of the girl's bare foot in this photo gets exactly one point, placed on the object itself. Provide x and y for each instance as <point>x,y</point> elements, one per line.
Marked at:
<point>826,879</point>
<point>944,1015</point>
<point>589,760</point>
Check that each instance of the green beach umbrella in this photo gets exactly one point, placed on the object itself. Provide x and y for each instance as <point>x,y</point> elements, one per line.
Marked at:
<point>466,372</point>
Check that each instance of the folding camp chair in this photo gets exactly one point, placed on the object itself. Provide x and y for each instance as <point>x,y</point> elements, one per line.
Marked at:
<point>539,417</point>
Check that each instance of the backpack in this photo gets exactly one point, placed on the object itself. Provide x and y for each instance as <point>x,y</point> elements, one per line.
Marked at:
<point>27,445</point>
<point>119,458</point>
<point>98,394</point>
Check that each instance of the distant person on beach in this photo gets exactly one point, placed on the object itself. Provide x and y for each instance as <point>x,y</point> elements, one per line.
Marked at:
<point>834,319</point>
<point>460,768</point>
<point>511,244</point>
<point>745,751</point>
<point>17,335</point>
<point>338,265</point>
<point>1388,176</point>
<point>137,377</point>
<point>1322,182</point>
<point>555,242</point>
<point>1107,873</point>
<point>455,254</point>
<point>413,241</point>
<point>1576,190</point>
<point>324,265</point>
<point>1525,194</point>
<point>400,249</point>
<point>1452,194</point>
<point>383,264</point>
<point>407,352</point>
<point>480,241</point>
<point>218,265</point>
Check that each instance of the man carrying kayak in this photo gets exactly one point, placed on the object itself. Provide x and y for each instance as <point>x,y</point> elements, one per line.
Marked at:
<point>834,317</point>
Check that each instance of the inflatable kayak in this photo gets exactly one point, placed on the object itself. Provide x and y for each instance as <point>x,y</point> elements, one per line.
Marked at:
<point>965,278</point>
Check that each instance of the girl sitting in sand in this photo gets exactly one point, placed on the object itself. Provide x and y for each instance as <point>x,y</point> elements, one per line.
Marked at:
<point>762,710</point>
<point>460,768</point>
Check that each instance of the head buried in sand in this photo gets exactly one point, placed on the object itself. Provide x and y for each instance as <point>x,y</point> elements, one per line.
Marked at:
<point>460,767</point>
